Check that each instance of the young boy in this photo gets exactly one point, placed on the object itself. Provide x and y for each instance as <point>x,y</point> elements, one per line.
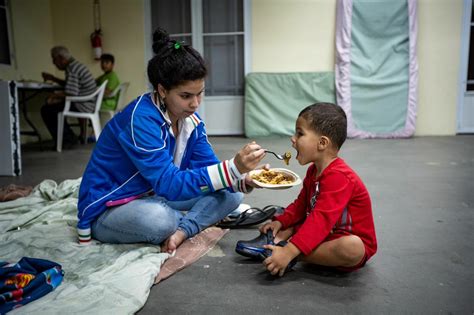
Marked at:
<point>107,62</point>
<point>330,223</point>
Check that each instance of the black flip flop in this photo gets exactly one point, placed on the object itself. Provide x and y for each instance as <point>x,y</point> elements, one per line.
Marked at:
<point>249,217</point>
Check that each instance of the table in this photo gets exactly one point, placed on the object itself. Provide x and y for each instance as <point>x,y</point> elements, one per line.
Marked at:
<point>35,88</point>
<point>10,142</point>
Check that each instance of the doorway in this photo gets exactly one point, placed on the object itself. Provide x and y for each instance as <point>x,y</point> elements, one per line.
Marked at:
<point>465,112</point>
<point>219,30</point>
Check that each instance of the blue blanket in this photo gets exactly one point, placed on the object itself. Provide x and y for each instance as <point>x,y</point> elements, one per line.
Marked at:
<point>27,280</point>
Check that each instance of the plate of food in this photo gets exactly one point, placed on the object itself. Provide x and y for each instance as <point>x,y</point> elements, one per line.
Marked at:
<point>275,178</point>
<point>29,84</point>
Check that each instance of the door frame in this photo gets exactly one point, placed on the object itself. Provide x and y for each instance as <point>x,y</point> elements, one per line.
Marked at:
<point>226,124</point>
<point>462,85</point>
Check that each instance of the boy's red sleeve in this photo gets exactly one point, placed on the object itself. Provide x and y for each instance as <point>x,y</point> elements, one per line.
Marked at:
<point>296,211</point>
<point>335,192</point>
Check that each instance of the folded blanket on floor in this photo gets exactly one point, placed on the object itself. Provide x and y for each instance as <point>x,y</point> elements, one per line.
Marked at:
<point>27,280</point>
<point>99,279</point>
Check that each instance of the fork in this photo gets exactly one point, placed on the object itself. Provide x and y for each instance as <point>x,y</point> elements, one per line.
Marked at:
<point>285,157</point>
<point>278,156</point>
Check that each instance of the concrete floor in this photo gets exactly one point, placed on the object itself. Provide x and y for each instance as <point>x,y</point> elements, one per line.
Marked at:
<point>422,191</point>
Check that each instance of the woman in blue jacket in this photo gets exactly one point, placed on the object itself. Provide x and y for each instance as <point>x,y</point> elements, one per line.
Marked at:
<point>153,161</point>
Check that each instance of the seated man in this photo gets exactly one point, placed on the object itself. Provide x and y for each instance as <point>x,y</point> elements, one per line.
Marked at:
<point>79,81</point>
<point>107,62</point>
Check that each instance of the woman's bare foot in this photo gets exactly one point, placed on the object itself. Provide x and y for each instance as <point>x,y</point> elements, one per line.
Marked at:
<point>173,241</point>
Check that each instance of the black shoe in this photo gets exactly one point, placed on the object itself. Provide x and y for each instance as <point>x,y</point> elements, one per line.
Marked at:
<point>254,248</point>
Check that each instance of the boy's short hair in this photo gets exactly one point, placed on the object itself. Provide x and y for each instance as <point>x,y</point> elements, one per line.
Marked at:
<point>328,120</point>
<point>107,57</point>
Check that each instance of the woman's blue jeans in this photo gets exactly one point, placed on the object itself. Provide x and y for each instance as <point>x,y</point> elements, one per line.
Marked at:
<point>153,219</point>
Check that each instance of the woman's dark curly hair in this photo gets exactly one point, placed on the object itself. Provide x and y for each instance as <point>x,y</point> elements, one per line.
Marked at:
<point>174,62</point>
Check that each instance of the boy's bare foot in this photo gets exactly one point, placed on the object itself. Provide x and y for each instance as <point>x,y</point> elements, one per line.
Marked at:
<point>173,241</point>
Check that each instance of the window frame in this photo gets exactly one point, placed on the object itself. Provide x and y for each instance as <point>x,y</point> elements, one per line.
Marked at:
<point>9,33</point>
<point>197,33</point>
<point>230,108</point>
<point>467,25</point>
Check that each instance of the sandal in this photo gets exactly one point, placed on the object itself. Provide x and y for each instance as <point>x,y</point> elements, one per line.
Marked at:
<point>249,217</point>
<point>254,248</point>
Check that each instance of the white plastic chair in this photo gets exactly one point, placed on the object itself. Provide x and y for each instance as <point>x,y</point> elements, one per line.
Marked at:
<point>94,116</point>
<point>122,91</point>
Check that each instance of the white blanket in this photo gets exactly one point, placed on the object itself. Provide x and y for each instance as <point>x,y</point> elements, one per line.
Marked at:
<point>99,278</point>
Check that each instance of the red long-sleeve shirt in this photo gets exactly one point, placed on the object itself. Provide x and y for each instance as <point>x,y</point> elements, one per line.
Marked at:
<point>336,200</point>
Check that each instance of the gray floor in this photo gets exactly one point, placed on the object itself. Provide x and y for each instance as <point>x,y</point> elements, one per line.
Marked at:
<point>423,198</point>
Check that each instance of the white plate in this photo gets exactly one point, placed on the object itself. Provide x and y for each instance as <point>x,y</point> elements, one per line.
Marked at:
<point>29,84</point>
<point>297,179</point>
<point>37,85</point>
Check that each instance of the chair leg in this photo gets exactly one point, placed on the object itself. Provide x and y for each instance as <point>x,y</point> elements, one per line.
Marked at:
<point>59,138</point>
<point>83,125</point>
<point>96,126</point>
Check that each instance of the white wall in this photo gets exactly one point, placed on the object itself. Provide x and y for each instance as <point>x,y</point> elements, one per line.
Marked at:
<point>439,50</point>
<point>123,36</point>
<point>293,35</point>
<point>32,40</point>
<point>287,35</point>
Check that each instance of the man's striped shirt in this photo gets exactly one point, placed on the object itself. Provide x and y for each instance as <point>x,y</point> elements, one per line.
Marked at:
<point>79,82</point>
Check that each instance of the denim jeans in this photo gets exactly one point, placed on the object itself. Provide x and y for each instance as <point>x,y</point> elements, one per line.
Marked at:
<point>153,219</point>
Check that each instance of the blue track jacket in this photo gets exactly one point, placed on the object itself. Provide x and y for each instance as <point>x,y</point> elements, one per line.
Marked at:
<point>137,153</point>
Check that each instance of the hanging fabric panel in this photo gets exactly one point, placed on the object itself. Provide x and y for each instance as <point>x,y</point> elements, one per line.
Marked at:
<point>376,67</point>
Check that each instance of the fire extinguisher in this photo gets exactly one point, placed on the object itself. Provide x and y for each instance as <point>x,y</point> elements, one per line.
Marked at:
<point>96,41</point>
<point>96,36</point>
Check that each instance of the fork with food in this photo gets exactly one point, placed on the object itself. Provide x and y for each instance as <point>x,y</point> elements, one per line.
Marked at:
<point>285,156</point>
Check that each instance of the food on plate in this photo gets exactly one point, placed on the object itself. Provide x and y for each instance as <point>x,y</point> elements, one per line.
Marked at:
<point>273,177</point>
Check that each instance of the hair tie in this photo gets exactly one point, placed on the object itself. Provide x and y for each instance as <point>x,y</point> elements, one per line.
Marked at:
<point>171,46</point>
<point>179,45</point>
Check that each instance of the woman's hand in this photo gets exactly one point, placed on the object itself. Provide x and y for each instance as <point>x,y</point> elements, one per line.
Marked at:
<point>249,157</point>
<point>248,178</point>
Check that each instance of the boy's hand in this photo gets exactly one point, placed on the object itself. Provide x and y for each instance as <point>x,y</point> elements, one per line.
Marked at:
<point>280,258</point>
<point>248,157</point>
<point>275,226</point>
